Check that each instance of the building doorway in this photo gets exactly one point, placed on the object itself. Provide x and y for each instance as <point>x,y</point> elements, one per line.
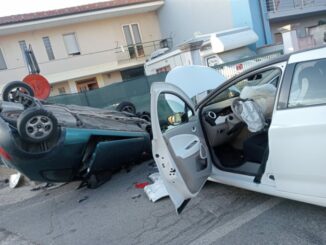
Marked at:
<point>87,84</point>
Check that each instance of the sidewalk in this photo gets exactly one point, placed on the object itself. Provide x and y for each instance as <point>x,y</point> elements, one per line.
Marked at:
<point>11,196</point>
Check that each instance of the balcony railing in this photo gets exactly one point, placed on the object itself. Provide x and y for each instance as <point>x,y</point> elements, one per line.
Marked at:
<point>141,50</point>
<point>113,57</point>
<point>279,8</point>
<point>234,68</point>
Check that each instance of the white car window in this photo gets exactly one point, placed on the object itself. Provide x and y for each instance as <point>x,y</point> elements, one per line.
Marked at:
<point>308,84</point>
<point>172,111</point>
<point>266,77</point>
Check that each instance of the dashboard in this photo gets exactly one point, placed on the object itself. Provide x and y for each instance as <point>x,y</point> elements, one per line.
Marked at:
<point>221,125</point>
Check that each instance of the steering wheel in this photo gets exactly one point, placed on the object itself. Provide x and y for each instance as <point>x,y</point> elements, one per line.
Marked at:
<point>237,108</point>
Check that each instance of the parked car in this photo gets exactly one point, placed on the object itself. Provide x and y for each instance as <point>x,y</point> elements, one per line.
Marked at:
<point>62,143</point>
<point>273,146</point>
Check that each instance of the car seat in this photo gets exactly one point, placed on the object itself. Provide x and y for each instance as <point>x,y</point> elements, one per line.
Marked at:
<point>313,86</point>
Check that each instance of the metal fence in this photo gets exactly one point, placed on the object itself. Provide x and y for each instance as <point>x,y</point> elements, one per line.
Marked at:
<point>287,5</point>
<point>233,68</point>
<point>135,90</point>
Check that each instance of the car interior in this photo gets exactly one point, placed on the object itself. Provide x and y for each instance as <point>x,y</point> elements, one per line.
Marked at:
<point>236,122</point>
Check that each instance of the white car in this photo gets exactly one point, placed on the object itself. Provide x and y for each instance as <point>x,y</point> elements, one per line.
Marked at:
<point>286,157</point>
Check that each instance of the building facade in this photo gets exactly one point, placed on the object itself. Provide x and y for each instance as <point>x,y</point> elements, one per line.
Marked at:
<point>84,47</point>
<point>181,20</point>
<point>306,17</point>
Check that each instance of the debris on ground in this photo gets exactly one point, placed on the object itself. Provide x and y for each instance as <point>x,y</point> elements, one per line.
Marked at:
<point>141,185</point>
<point>157,190</point>
<point>15,180</point>
<point>136,196</point>
<point>83,199</point>
<point>47,186</point>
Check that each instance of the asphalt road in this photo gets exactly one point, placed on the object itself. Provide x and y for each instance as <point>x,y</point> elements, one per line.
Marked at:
<point>118,213</point>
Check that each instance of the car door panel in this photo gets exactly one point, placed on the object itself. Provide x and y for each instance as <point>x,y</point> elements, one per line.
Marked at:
<point>297,140</point>
<point>187,151</point>
<point>180,151</point>
<point>298,130</point>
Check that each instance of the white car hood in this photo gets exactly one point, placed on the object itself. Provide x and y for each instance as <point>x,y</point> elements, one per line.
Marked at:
<point>194,80</point>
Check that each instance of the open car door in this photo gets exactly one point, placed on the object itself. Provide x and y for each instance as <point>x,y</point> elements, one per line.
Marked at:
<point>178,145</point>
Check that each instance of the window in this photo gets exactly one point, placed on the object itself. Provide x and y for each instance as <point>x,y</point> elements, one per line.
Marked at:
<point>48,48</point>
<point>61,90</point>
<point>308,84</point>
<point>172,111</point>
<point>132,73</point>
<point>71,44</point>
<point>134,41</point>
<point>23,47</point>
<point>3,65</point>
<point>265,77</point>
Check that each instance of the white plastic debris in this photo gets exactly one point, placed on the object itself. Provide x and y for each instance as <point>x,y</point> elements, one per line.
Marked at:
<point>157,190</point>
<point>15,180</point>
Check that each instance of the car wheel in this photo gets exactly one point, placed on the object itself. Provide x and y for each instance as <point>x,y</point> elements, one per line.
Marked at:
<point>13,90</point>
<point>146,116</point>
<point>36,125</point>
<point>126,106</point>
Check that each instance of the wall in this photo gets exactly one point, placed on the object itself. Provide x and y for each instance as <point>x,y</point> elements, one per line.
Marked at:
<point>301,23</point>
<point>92,37</point>
<point>180,19</point>
<point>249,13</point>
<point>103,79</point>
<point>55,87</point>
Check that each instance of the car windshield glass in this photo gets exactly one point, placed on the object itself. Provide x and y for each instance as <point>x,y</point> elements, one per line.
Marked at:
<point>265,77</point>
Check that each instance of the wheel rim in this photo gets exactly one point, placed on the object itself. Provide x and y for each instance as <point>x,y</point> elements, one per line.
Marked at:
<point>14,95</point>
<point>128,108</point>
<point>39,127</point>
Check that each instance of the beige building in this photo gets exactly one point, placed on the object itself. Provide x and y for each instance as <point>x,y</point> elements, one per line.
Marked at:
<point>84,47</point>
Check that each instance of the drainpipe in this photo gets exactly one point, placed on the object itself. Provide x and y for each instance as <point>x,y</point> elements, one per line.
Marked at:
<point>262,20</point>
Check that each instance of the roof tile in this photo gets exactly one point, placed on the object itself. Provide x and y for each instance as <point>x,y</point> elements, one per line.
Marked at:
<point>7,20</point>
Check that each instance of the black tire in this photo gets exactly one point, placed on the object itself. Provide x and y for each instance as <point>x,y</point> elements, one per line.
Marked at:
<point>8,92</point>
<point>37,125</point>
<point>146,116</point>
<point>126,106</point>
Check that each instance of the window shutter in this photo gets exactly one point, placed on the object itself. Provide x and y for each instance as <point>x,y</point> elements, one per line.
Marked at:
<point>48,48</point>
<point>135,31</point>
<point>3,65</point>
<point>71,44</point>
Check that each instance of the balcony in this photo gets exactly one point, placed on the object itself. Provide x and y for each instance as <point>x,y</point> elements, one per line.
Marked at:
<point>87,64</point>
<point>282,9</point>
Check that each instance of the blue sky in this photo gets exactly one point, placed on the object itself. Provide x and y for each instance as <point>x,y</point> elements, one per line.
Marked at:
<point>13,7</point>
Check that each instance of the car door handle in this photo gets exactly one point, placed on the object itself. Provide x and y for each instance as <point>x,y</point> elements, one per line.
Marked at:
<point>191,144</point>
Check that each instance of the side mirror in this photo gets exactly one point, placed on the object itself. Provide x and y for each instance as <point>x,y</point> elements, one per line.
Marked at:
<point>232,93</point>
<point>176,119</point>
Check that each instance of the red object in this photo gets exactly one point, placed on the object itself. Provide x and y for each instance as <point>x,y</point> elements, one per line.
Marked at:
<point>39,84</point>
<point>4,154</point>
<point>141,185</point>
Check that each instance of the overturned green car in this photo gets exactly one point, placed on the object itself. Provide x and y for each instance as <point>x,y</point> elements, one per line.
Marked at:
<point>62,143</point>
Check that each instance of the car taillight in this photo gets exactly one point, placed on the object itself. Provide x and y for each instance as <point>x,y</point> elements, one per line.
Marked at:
<point>4,154</point>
